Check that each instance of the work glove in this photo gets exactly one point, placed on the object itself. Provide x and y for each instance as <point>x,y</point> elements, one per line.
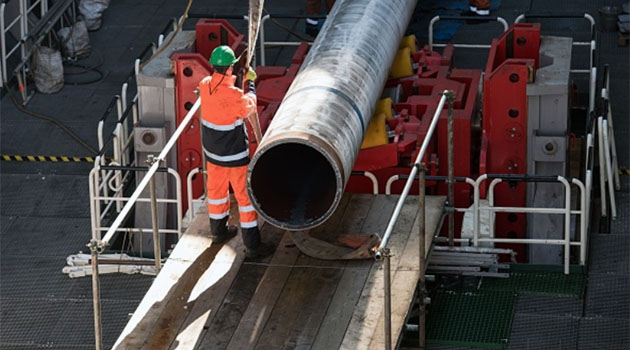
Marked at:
<point>251,74</point>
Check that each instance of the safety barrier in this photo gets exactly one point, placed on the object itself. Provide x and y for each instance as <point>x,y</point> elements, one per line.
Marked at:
<point>101,203</point>
<point>566,211</point>
<point>32,31</point>
<point>99,242</point>
<point>608,166</point>
<point>464,18</point>
<point>120,141</point>
<point>592,43</point>
<point>22,20</point>
<point>383,252</point>
<point>262,40</point>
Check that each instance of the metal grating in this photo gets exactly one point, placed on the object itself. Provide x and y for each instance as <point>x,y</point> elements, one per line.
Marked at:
<point>33,277</point>
<point>77,316</point>
<point>608,296</point>
<point>120,287</point>
<point>28,321</point>
<point>40,195</point>
<point>551,332</point>
<point>50,236</point>
<point>622,223</point>
<point>609,253</point>
<point>548,305</point>
<point>538,279</point>
<point>470,318</point>
<point>603,334</point>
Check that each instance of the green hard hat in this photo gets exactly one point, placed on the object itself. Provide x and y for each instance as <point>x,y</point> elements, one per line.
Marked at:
<point>223,56</point>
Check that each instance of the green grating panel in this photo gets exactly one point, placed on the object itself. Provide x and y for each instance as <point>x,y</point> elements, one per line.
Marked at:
<point>539,279</point>
<point>479,319</point>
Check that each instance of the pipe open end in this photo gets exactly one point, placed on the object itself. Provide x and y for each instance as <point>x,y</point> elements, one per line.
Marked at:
<point>294,185</point>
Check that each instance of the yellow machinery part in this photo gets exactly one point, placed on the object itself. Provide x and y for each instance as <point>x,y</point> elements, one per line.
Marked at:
<point>376,134</point>
<point>384,106</point>
<point>402,64</point>
<point>410,42</point>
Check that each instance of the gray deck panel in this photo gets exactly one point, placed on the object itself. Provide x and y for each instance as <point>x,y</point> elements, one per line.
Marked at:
<point>608,296</point>
<point>551,332</point>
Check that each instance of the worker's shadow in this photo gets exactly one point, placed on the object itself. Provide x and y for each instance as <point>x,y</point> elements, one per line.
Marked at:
<point>163,321</point>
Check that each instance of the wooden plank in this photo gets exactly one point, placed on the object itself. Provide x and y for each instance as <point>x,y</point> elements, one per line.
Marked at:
<point>406,275</point>
<point>342,305</point>
<point>171,288</point>
<point>219,330</point>
<point>369,306</point>
<point>312,284</point>
<point>209,292</point>
<point>329,230</point>
<point>265,297</point>
<point>302,304</point>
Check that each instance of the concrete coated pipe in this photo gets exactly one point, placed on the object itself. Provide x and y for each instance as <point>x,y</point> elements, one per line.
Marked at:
<point>298,173</point>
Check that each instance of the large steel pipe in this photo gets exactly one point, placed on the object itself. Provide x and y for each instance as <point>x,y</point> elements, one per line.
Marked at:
<point>298,173</point>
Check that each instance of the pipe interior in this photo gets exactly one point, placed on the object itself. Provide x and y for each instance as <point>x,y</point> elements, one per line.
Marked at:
<point>293,184</point>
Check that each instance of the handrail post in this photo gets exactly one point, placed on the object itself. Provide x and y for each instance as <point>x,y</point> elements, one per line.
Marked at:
<point>96,295</point>
<point>567,223</point>
<point>154,219</point>
<point>422,260</point>
<point>387,298</point>
<point>450,96</point>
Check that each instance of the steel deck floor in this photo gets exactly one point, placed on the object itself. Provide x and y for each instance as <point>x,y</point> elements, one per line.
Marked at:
<point>44,212</point>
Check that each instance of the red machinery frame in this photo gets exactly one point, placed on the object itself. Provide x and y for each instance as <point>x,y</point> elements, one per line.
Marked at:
<point>512,61</point>
<point>499,146</point>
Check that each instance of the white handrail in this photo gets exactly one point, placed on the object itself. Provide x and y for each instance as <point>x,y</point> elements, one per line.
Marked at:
<point>145,180</point>
<point>566,211</point>
<point>469,46</point>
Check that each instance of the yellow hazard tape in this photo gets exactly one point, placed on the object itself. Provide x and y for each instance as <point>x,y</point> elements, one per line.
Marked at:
<point>624,171</point>
<point>63,159</point>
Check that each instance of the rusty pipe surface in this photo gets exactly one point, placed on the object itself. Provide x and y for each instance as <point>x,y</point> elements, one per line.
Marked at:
<point>298,174</point>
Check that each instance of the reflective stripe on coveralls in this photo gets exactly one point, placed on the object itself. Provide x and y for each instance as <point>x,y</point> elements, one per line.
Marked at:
<point>223,108</point>
<point>219,180</point>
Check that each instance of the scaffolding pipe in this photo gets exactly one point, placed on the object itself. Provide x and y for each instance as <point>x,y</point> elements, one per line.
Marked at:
<point>450,182</point>
<point>298,173</point>
<point>422,257</point>
<point>387,325</point>
<point>96,296</point>
<point>157,252</point>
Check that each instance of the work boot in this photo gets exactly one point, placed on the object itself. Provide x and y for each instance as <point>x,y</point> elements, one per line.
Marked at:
<point>254,247</point>
<point>220,232</point>
<point>263,249</point>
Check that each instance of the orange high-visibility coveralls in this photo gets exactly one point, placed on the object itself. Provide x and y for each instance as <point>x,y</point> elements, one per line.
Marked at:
<point>223,110</point>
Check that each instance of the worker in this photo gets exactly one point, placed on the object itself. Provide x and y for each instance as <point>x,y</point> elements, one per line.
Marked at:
<point>313,7</point>
<point>224,107</point>
<point>479,7</point>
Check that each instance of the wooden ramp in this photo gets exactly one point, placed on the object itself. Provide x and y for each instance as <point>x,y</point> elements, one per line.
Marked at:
<point>210,297</point>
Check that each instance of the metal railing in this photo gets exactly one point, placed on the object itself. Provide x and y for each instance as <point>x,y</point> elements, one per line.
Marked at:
<point>98,243</point>
<point>108,178</point>
<point>22,19</point>
<point>119,144</point>
<point>32,31</point>
<point>262,40</point>
<point>608,163</point>
<point>383,252</point>
<point>464,18</point>
<point>566,211</point>
<point>591,43</point>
